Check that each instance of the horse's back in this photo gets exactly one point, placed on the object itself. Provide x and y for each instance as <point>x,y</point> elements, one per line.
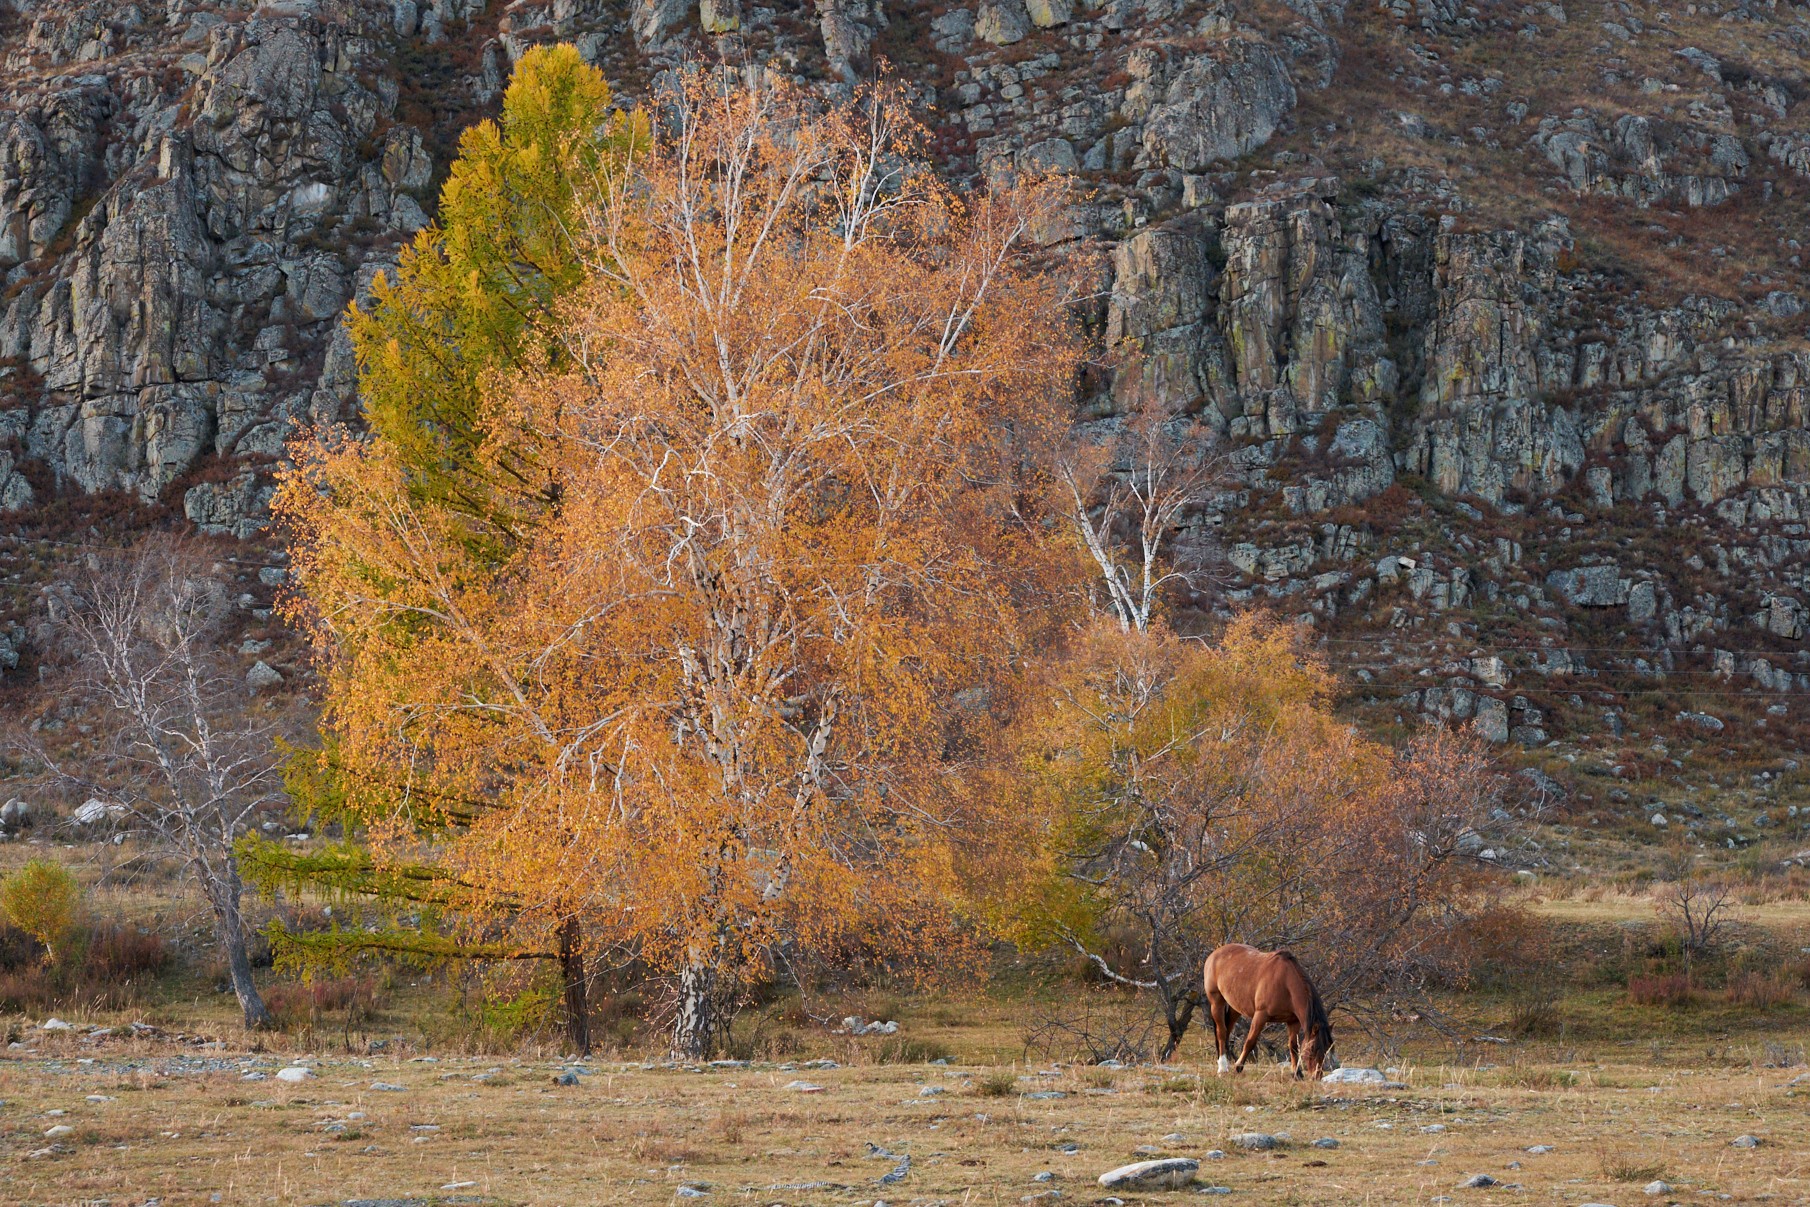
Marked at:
<point>1250,974</point>
<point>1230,964</point>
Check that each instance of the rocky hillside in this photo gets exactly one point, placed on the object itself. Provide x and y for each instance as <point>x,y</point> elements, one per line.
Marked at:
<point>1500,306</point>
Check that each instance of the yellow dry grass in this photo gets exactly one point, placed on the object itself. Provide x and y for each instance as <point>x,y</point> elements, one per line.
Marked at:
<point>161,1125</point>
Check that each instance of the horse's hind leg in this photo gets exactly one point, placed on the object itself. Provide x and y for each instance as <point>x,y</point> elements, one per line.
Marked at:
<point>1259,1020</point>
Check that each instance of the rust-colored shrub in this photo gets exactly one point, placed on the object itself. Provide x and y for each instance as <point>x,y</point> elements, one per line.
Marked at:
<point>1662,989</point>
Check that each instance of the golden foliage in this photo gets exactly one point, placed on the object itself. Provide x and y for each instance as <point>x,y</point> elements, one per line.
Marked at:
<point>1203,793</point>
<point>719,695</point>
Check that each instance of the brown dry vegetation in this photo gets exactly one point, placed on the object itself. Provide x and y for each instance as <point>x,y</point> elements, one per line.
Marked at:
<point>1624,1092</point>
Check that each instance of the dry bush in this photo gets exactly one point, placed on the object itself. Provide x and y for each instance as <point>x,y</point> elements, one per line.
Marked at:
<point>298,1004</point>
<point>1105,1026</point>
<point>1623,1165</point>
<point>1001,1083</point>
<point>1758,989</point>
<point>1660,989</point>
<point>119,954</point>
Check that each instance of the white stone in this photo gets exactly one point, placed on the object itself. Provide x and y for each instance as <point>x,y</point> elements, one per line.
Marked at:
<point>1354,1076</point>
<point>295,1073</point>
<point>1169,1173</point>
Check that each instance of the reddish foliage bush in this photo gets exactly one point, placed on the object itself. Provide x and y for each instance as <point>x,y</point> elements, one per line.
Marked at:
<point>299,1003</point>
<point>1759,989</point>
<point>123,953</point>
<point>1663,989</point>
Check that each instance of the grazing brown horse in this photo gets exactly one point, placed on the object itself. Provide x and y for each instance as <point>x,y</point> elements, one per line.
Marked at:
<point>1267,987</point>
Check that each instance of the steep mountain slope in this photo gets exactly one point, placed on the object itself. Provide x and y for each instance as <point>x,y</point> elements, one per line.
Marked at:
<point>1500,305</point>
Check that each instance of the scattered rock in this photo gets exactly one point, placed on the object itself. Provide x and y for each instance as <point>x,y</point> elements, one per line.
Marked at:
<point>294,1073</point>
<point>58,1131</point>
<point>802,1087</point>
<point>55,1024</point>
<point>1169,1173</point>
<point>1658,1188</point>
<point>388,1087</point>
<point>1255,1141</point>
<point>1326,1142</point>
<point>1746,1141</point>
<point>262,676</point>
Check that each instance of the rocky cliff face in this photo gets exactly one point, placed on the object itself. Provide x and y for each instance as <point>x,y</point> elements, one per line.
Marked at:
<point>1498,306</point>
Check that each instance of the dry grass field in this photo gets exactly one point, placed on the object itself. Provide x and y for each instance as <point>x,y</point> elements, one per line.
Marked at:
<point>1551,1120</point>
<point>402,1106</point>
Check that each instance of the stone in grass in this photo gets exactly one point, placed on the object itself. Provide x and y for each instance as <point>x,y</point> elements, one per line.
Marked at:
<point>1326,1142</point>
<point>1658,1188</point>
<point>691,1192</point>
<point>1746,1142</point>
<point>1478,1181</point>
<point>1354,1076</point>
<point>387,1087</point>
<point>566,1078</point>
<point>1256,1142</point>
<point>1540,1149</point>
<point>55,1024</point>
<point>59,1131</point>
<point>294,1073</point>
<point>1168,1173</point>
<point>802,1087</point>
<point>1216,1190</point>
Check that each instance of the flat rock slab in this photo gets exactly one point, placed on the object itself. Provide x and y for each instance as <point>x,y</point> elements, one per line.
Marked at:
<point>1169,1173</point>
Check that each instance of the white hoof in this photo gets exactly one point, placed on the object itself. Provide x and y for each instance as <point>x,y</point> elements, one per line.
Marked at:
<point>1225,1066</point>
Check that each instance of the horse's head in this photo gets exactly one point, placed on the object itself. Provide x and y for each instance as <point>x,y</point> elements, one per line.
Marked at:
<point>1317,1059</point>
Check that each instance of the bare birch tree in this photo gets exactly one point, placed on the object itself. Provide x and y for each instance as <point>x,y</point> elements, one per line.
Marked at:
<point>183,747</point>
<point>1128,499</point>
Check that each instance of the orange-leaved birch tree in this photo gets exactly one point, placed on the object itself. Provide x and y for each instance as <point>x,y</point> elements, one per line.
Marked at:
<point>725,697</point>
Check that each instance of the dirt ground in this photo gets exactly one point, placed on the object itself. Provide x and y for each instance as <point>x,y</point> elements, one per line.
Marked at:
<point>153,1119</point>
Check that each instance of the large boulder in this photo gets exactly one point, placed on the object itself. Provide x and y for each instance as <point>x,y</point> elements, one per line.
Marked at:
<point>1223,103</point>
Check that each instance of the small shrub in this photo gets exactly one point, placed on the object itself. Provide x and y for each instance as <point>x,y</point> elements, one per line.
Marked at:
<point>1620,1165</point>
<point>1001,1083</point>
<point>296,1004</point>
<point>43,900</point>
<point>1535,1017</point>
<point>1761,990</point>
<point>1663,989</point>
<point>124,953</point>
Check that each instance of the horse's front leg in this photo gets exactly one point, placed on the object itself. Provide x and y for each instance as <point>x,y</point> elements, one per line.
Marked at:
<point>1294,1048</point>
<point>1259,1021</point>
<point>1222,1029</point>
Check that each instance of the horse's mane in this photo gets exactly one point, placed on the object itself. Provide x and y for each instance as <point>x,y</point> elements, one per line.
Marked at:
<point>1317,1022</point>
